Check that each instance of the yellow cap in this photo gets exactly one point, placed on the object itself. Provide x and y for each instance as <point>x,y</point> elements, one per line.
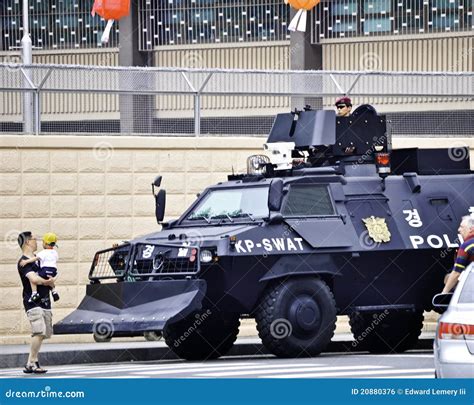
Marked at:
<point>50,238</point>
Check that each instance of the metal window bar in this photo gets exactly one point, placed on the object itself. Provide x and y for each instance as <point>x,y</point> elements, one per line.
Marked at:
<point>110,263</point>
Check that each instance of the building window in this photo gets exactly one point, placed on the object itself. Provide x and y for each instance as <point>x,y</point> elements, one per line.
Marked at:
<point>378,24</point>
<point>352,18</point>
<point>54,24</point>
<point>176,22</point>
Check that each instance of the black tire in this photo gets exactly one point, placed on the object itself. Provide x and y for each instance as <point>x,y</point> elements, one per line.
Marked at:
<point>296,317</point>
<point>386,332</point>
<point>202,336</point>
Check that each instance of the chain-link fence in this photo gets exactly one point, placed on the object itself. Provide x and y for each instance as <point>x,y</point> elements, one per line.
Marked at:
<point>78,99</point>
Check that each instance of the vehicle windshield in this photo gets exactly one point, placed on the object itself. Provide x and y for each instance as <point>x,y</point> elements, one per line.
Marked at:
<point>249,202</point>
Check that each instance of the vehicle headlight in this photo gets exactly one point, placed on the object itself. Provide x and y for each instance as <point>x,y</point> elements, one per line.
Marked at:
<point>205,256</point>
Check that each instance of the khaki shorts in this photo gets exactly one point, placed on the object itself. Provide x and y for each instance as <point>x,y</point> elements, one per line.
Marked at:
<point>41,321</point>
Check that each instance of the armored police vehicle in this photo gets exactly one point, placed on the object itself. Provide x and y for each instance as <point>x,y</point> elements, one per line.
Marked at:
<point>328,221</point>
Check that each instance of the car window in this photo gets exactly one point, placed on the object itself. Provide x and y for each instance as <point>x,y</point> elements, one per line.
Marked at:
<point>308,200</point>
<point>467,292</point>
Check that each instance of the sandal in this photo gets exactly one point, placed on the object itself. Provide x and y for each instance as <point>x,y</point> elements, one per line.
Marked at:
<point>34,369</point>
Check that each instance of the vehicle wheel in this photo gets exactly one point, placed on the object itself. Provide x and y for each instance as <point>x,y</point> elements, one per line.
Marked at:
<point>386,332</point>
<point>296,317</point>
<point>202,336</point>
<point>102,338</point>
<point>152,336</point>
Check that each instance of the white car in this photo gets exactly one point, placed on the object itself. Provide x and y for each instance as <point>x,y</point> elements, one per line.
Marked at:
<point>454,341</point>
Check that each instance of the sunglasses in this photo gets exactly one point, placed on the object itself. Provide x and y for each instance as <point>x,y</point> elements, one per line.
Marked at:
<point>340,106</point>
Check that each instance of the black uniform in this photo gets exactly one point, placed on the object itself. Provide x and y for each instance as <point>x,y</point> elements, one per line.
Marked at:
<point>43,291</point>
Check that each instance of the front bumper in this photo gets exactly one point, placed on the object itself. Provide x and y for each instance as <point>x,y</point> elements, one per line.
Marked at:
<point>452,359</point>
<point>132,307</point>
<point>454,370</point>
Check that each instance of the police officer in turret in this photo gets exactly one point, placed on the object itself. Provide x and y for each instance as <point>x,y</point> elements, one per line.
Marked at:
<point>343,106</point>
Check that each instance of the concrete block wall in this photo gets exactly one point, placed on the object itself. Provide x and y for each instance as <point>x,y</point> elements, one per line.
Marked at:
<point>96,191</point>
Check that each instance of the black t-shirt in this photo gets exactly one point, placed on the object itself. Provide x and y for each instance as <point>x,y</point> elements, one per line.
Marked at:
<point>43,291</point>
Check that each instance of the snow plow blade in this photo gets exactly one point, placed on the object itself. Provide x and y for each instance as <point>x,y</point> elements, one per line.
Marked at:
<point>129,308</point>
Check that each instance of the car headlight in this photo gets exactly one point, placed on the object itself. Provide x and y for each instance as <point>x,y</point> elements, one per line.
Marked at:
<point>205,256</point>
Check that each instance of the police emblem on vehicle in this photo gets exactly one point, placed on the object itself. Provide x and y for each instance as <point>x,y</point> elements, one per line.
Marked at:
<point>377,228</point>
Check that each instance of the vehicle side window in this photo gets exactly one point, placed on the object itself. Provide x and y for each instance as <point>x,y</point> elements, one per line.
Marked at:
<point>308,200</point>
<point>467,292</point>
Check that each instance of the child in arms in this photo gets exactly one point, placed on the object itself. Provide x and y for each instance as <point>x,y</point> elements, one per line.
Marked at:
<point>48,259</point>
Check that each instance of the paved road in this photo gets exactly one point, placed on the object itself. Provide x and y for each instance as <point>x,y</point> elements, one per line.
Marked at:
<point>329,365</point>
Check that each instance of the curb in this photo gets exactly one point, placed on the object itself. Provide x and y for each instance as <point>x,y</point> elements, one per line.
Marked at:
<point>115,355</point>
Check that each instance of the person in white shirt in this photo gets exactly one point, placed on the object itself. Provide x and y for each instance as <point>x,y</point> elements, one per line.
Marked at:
<point>48,259</point>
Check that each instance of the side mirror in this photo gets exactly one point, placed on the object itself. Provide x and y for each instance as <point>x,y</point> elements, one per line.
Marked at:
<point>275,218</point>
<point>275,195</point>
<point>441,301</point>
<point>156,183</point>
<point>160,202</point>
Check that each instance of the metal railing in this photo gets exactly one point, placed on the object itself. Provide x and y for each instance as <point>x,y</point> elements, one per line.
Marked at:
<point>152,260</point>
<point>110,263</point>
<point>131,100</point>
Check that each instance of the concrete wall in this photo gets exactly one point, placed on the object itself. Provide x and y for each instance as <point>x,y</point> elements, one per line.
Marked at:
<point>95,191</point>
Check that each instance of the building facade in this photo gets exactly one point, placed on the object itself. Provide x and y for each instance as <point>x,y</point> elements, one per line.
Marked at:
<point>388,35</point>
